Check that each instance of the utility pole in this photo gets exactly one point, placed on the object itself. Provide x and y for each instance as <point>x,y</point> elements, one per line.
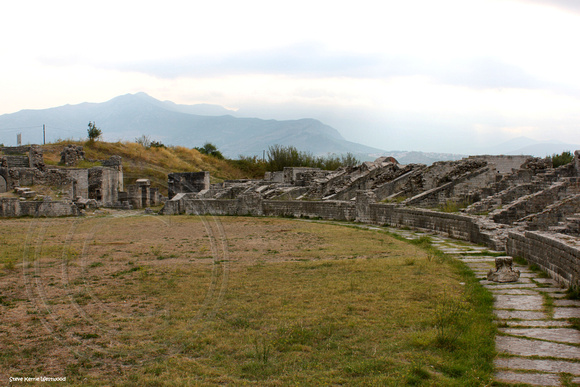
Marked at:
<point>43,134</point>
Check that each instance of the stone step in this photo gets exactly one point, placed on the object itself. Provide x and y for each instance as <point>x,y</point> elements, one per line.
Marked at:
<point>560,335</point>
<point>552,366</point>
<point>525,347</point>
<point>533,379</point>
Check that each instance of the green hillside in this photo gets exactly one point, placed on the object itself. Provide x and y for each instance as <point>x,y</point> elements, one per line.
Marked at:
<point>151,163</point>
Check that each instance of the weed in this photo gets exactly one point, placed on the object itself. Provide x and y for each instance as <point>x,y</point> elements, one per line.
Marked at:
<point>423,242</point>
<point>452,206</point>
<point>575,323</point>
<point>520,261</point>
<point>262,348</point>
<point>448,315</point>
<point>573,292</point>
<point>548,304</point>
<point>10,265</point>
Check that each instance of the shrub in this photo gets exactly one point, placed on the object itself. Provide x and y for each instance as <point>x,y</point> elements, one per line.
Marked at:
<point>280,156</point>
<point>562,159</point>
<point>93,132</point>
<point>211,150</point>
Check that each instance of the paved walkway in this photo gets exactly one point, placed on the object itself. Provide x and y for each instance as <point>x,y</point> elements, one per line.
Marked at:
<point>536,343</point>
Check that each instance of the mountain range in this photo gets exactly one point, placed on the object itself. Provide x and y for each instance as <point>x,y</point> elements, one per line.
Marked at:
<point>131,116</point>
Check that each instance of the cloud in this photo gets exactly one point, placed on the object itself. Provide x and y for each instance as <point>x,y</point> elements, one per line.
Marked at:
<point>314,61</point>
<point>486,73</point>
<point>565,5</point>
<point>311,60</point>
<point>305,59</point>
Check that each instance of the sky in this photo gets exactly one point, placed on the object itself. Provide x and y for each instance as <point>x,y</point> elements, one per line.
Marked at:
<point>441,76</point>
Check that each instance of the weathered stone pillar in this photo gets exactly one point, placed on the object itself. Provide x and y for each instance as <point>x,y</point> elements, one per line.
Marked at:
<point>504,271</point>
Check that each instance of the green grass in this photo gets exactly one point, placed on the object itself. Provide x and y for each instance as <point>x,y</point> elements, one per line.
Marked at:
<point>293,303</point>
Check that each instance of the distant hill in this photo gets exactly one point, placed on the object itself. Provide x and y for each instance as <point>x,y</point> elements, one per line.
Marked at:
<point>130,116</point>
<point>527,146</point>
<point>426,158</point>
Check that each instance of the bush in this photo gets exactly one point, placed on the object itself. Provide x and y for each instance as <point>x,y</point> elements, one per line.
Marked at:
<point>93,132</point>
<point>280,156</point>
<point>562,159</point>
<point>144,140</point>
<point>252,166</point>
<point>157,144</point>
<point>210,149</point>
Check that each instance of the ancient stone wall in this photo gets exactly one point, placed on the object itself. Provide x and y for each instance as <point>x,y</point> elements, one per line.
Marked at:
<point>364,210</point>
<point>187,182</point>
<point>104,185</point>
<point>557,256</point>
<point>504,163</point>
<point>79,185</point>
<point>328,209</point>
<point>13,207</point>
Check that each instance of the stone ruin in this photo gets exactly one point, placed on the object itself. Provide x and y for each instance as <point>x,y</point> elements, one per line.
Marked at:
<point>71,155</point>
<point>504,271</point>
<point>516,203</point>
<point>518,191</point>
<point>76,188</point>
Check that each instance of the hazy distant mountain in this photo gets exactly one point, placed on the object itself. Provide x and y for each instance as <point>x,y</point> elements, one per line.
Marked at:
<point>545,149</point>
<point>130,116</point>
<point>527,146</point>
<point>427,158</point>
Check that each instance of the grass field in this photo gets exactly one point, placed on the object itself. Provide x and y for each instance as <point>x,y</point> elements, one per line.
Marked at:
<point>187,300</point>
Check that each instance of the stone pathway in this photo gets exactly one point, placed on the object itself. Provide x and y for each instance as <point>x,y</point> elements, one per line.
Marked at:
<point>536,344</point>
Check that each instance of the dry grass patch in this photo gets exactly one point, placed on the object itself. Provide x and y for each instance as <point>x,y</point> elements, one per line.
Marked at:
<point>186,300</point>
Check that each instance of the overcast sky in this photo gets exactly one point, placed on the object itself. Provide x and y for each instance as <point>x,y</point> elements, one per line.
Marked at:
<point>427,75</point>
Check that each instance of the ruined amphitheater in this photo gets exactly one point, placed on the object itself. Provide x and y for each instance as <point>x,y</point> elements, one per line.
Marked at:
<point>517,205</point>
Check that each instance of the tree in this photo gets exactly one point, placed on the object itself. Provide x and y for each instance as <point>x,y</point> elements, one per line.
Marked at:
<point>144,140</point>
<point>93,132</point>
<point>211,150</point>
<point>564,158</point>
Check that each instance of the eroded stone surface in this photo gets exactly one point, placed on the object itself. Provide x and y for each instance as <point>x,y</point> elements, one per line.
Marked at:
<point>525,347</point>
<point>537,323</point>
<point>526,292</point>
<point>493,285</point>
<point>548,281</point>
<point>518,302</point>
<point>533,379</point>
<point>523,315</point>
<point>566,312</point>
<point>554,366</point>
<point>562,335</point>
<point>567,303</point>
<point>551,290</point>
